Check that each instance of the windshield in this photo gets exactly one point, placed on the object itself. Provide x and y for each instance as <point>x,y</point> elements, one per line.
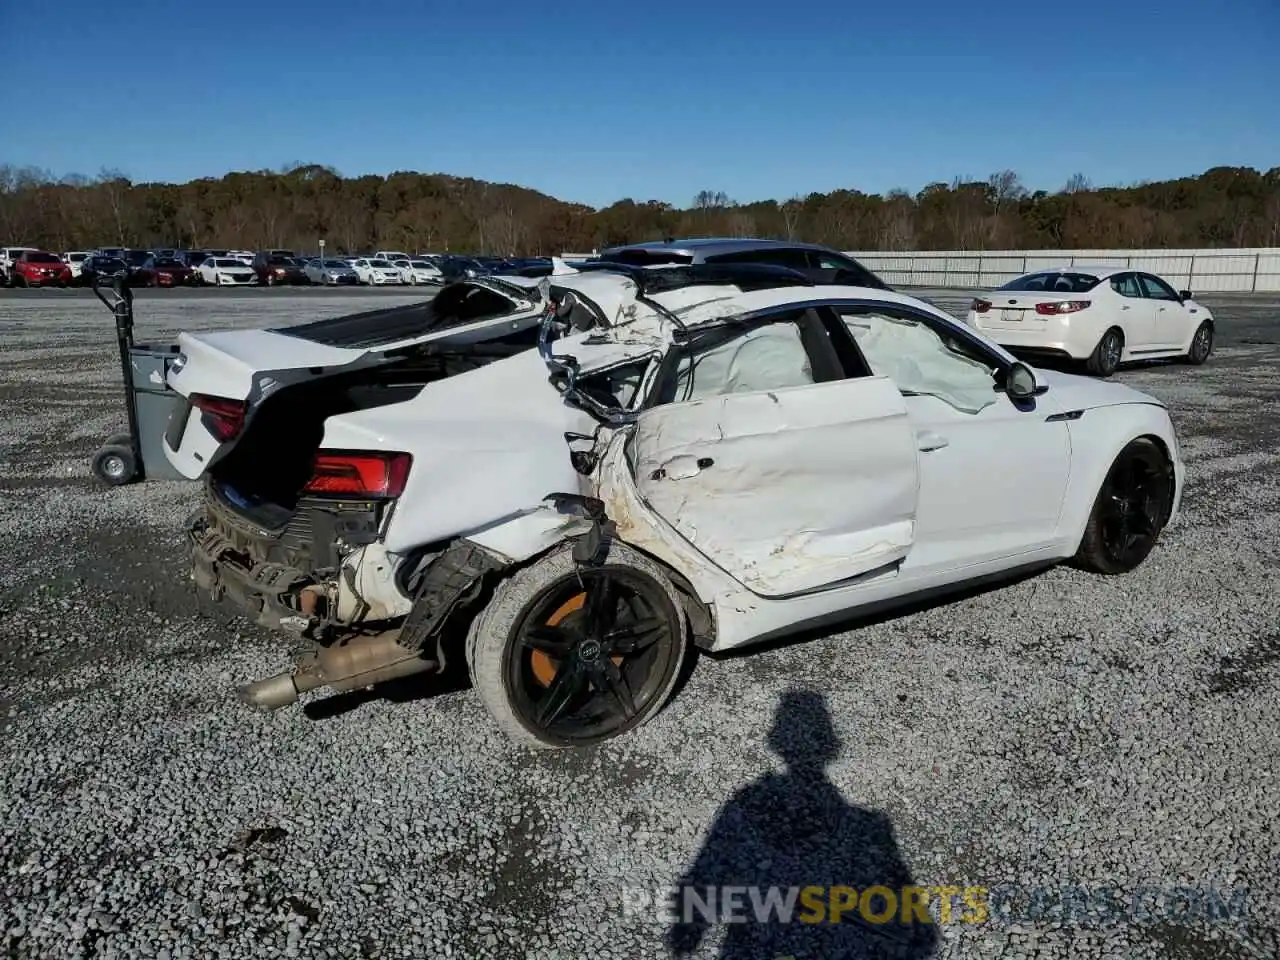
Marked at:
<point>379,263</point>
<point>420,264</point>
<point>42,258</point>
<point>139,257</point>
<point>169,262</point>
<point>337,265</point>
<point>227,263</point>
<point>1052,281</point>
<point>280,262</point>
<point>108,264</point>
<point>77,257</point>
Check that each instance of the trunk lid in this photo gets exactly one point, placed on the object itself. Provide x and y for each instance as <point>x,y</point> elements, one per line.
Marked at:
<point>240,370</point>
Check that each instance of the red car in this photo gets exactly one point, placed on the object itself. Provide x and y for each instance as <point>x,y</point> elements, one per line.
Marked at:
<point>36,268</point>
<point>163,272</point>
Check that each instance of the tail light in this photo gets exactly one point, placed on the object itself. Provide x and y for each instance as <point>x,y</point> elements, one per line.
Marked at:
<point>980,306</point>
<point>362,474</point>
<point>224,418</point>
<point>1057,307</point>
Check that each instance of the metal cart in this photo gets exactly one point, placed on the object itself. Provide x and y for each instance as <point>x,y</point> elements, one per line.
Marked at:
<point>138,454</point>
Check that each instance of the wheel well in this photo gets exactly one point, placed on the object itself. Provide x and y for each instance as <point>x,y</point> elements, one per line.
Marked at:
<point>450,638</point>
<point>1117,330</point>
<point>702,621</point>
<point>1168,459</point>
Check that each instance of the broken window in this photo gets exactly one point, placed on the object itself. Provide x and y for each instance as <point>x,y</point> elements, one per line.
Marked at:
<point>768,357</point>
<point>616,387</point>
<point>923,360</point>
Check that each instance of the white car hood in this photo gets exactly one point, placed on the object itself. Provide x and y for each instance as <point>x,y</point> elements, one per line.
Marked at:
<point>1074,392</point>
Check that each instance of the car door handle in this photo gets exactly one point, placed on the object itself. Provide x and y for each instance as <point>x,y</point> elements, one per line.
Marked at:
<point>928,441</point>
<point>1124,307</point>
<point>681,468</point>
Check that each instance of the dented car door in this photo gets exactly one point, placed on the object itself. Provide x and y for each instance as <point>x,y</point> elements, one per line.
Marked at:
<point>783,473</point>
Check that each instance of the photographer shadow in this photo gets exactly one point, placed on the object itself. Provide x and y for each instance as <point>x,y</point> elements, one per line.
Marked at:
<point>790,831</point>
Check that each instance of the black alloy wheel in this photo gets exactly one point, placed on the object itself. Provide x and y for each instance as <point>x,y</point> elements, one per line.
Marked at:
<point>591,653</point>
<point>1131,509</point>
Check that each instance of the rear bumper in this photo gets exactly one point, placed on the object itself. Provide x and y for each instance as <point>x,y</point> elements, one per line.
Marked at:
<point>265,568</point>
<point>1046,337</point>
<point>268,593</point>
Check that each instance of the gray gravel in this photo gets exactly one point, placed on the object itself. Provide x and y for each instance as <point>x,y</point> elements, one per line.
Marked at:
<point>1063,731</point>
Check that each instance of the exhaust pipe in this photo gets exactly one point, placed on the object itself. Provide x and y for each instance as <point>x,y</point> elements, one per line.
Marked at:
<point>360,662</point>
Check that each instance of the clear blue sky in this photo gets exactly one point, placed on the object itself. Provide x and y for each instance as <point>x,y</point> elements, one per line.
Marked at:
<point>594,101</point>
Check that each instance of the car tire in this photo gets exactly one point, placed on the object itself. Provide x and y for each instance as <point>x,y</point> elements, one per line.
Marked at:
<point>1201,345</point>
<point>518,683</point>
<point>1106,355</point>
<point>1130,511</point>
<point>114,464</point>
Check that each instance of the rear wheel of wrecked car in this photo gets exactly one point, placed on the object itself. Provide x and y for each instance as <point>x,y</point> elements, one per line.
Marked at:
<point>568,655</point>
<point>1132,508</point>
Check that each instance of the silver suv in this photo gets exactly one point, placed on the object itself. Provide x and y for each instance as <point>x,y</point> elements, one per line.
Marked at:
<point>820,264</point>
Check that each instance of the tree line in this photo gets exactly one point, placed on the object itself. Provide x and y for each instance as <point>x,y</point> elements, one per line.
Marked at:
<point>297,206</point>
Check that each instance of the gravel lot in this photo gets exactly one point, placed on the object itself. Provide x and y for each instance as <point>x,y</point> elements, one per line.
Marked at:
<point>1063,731</point>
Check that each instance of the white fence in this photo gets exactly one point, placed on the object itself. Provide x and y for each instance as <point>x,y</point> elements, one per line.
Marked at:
<point>1200,271</point>
<point>1208,270</point>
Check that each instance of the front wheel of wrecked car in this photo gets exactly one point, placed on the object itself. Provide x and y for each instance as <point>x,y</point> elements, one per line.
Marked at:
<point>568,655</point>
<point>1130,511</point>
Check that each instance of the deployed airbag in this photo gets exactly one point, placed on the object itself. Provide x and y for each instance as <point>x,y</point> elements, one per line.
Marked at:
<point>918,360</point>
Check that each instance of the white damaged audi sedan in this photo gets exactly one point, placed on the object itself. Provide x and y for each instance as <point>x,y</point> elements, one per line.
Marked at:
<point>571,482</point>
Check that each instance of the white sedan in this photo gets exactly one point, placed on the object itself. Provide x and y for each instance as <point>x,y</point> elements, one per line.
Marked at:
<point>226,271</point>
<point>1101,315</point>
<point>415,271</point>
<point>374,271</point>
<point>703,456</point>
<point>75,260</point>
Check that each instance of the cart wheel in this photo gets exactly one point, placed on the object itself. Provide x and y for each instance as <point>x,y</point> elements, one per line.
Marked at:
<point>114,464</point>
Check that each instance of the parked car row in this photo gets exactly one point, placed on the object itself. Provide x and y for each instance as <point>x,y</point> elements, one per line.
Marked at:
<point>172,267</point>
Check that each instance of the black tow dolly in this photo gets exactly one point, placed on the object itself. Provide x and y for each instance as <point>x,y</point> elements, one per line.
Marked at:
<point>138,454</point>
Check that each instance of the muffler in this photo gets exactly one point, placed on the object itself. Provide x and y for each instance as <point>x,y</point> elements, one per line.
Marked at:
<point>360,662</point>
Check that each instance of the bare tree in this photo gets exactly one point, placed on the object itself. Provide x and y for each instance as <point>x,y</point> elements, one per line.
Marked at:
<point>741,225</point>
<point>709,200</point>
<point>791,211</point>
<point>114,188</point>
<point>1077,183</point>
<point>1005,188</point>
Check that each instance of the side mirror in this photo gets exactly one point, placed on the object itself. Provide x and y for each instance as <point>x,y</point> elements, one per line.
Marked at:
<point>1184,294</point>
<point>1020,383</point>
